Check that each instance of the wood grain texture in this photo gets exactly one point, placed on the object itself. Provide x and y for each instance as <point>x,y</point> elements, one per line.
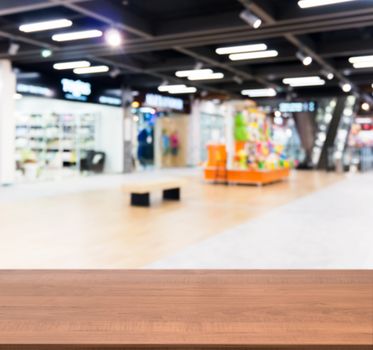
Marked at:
<point>186,309</point>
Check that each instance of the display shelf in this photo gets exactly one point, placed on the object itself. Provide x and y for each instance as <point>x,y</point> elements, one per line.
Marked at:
<point>54,140</point>
<point>251,156</point>
<point>246,177</point>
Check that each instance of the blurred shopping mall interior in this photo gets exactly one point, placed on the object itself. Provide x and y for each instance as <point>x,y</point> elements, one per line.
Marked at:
<point>228,134</point>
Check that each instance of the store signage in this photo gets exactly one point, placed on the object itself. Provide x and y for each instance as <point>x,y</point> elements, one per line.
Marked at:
<point>159,101</point>
<point>76,89</point>
<point>34,90</point>
<point>297,107</point>
<point>115,101</point>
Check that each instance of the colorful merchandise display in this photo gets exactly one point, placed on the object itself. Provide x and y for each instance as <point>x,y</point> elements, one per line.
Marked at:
<point>254,157</point>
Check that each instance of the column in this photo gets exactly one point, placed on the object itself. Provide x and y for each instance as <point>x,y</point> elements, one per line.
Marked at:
<point>127,130</point>
<point>7,123</point>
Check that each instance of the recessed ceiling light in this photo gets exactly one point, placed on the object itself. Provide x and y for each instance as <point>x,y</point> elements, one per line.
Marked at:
<point>113,37</point>
<point>346,87</point>
<point>186,73</point>
<point>365,106</point>
<point>47,25</point>
<point>240,49</point>
<point>86,34</point>
<point>314,3</point>
<point>45,53</point>
<point>212,76</point>
<point>253,55</point>
<point>71,65</point>
<point>90,70</point>
<point>259,92</point>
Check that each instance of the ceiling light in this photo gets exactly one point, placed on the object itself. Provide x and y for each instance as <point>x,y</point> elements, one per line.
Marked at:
<point>211,76</point>
<point>313,78</point>
<point>251,19</point>
<point>71,65</point>
<point>46,53</point>
<point>86,34</point>
<point>304,81</point>
<point>165,88</point>
<point>90,70</point>
<point>316,83</point>
<point>314,3</point>
<point>240,49</point>
<point>259,92</point>
<point>253,55</point>
<point>359,59</point>
<point>329,75</point>
<point>346,87</point>
<point>365,106</point>
<point>47,25</point>
<point>363,65</point>
<point>187,73</point>
<point>306,60</point>
<point>278,114</point>
<point>186,90</point>
<point>177,89</point>
<point>113,37</point>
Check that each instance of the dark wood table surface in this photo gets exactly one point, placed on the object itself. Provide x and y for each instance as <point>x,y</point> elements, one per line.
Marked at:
<point>186,309</point>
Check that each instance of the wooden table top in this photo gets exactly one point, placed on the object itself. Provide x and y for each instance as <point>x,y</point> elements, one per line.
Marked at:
<point>186,309</point>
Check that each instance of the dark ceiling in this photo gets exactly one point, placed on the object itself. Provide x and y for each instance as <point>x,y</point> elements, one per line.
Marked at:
<point>162,36</point>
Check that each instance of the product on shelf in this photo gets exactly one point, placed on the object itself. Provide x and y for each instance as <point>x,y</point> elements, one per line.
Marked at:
<point>254,155</point>
<point>53,141</point>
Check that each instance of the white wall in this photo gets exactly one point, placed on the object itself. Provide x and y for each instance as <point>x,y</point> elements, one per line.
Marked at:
<point>109,127</point>
<point>110,137</point>
<point>7,123</point>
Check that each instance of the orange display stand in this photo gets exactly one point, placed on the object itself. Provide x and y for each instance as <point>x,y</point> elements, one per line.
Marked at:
<point>216,155</point>
<point>246,177</point>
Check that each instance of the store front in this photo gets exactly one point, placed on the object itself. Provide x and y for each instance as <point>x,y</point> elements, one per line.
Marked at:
<point>65,128</point>
<point>160,133</point>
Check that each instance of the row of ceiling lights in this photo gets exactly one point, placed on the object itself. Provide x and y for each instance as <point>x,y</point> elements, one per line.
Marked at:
<point>243,52</point>
<point>255,22</point>
<point>112,37</point>
<point>255,51</point>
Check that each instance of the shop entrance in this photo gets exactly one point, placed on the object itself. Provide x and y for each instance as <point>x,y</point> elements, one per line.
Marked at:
<point>143,137</point>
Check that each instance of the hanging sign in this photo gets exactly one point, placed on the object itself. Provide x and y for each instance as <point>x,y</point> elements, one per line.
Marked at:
<point>76,89</point>
<point>164,102</point>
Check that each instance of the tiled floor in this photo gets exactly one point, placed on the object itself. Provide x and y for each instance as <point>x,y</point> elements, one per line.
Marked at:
<point>88,223</point>
<point>328,229</point>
